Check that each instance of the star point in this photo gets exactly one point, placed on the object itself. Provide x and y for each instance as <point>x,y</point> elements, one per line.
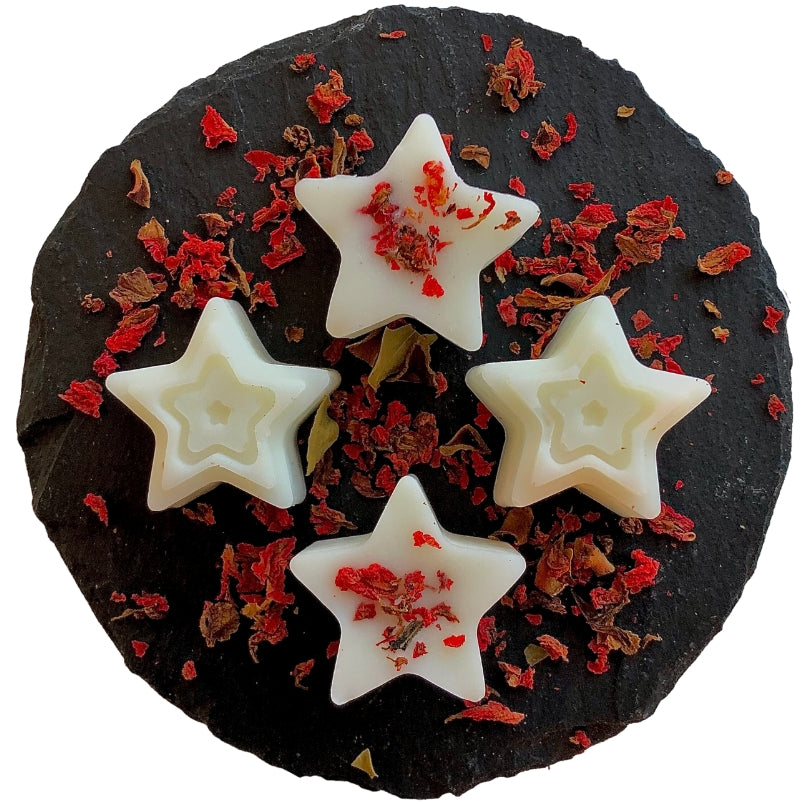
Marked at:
<point>408,597</point>
<point>587,414</point>
<point>413,239</point>
<point>224,412</point>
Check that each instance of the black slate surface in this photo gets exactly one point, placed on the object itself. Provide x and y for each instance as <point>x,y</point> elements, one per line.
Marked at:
<point>732,474</point>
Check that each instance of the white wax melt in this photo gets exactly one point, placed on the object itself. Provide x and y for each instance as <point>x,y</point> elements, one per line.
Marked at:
<point>407,572</point>
<point>224,412</point>
<point>435,234</point>
<point>586,414</point>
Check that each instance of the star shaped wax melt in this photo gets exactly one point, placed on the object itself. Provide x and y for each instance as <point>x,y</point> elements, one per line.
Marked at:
<point>586,414</point>
<point>224,412</point>
<point>413,239</point>
<point>408,597</point>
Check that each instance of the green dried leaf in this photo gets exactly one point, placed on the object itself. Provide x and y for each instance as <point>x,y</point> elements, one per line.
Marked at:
<point>535,654</point>
<point>323,434</point>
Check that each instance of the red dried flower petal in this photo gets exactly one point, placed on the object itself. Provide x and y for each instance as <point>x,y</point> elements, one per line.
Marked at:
<point>332,649</point>
<point>487,42</point>
<point>365,611</point>
<point>300,672</point>
<point>641,320</point>
<point>515,183</point>
<point>583,191</point>
<point>492,710</point>
<point>775,407</point>
<point>546,142</point>
<point>226,198</point>
<point>672,523</point>
<point>432,287</point>
<point>85,397</point>
<point>104,365</point>
<point>772,318</point>
<point>132,328</point>
<point>419,649</point>
<point>215,129</point>
<point>724,177</point>
<point>302,62</point>
<point>580,738</point>
<point>572,128</point>
<point>758,380</point>
<point>643,574</point>
<point>97,505</point>
<point>420,538</point>
<point>328,97</point>
<point>277,520</point>
<point>393,35</point>
<point>723,258</point>
<point>555,649</point>
<point>139,648</point>
<point>455,641</point>
<point>188,671</point>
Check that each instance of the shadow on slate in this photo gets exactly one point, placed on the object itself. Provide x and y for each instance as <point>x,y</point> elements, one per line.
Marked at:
<point>731,455</point>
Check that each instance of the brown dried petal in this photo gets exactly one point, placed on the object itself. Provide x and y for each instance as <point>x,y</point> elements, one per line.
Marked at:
<point>625,111</point>
<point>478,153</point>
<point>135,287</point>
<point>467,438</point>
<point>141,192</point>
<point>518,523</point>
<point>218,622</point>
<point>216,224</point>
<point>299,137</point>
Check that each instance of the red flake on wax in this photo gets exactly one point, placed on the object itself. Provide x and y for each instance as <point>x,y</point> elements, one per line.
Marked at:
<point>487,42</point>
<point>365,611</point>
<point>641,320</point>
<point>139,648</point>
<point>327,98</point>
<point>444,582</point>
<point>455,641</point>
<point>419,649</point>
<point>85,397</point>
<point>432,287</point>
<point>420,538</point>
<point>188,671</point>
<point>464,213</point>
<point>215,129</point>
<point>97,505</point>
<point>775,407</point>
<point>772,318</point>
<point>515,183</point>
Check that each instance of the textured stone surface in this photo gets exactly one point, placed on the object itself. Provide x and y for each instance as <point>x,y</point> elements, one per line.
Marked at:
<point>732,473</point>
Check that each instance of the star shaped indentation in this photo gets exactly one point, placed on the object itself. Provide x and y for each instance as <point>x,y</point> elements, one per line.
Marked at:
<point>408,597</point>
<point>413,239</point>
<point>587,414</point>
<point>224,412</point>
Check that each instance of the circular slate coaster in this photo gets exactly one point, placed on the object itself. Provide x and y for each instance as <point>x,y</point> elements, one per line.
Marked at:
<point>730,450</point>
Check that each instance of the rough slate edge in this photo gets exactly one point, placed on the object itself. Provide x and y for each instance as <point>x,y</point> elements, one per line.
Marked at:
<point>779,344</point>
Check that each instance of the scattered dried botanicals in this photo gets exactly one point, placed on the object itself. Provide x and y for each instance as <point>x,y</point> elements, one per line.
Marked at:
<point>516,184</point>
<point>721,334</point>
<point>547,141</point>
<point>624,112</point>
<point>137,287</point>
<point>514,79</point>
<point>724,177</point>
<point>476,153</point>
<point>327,98</point>
<point>188,671</point>
<point>203,513</point>
<point>139,648</point>
<point>92,304</point>
<point>149,606</point>
<point>641,320</point>
<point>215,129</point>
<point>580,739</point>
<point>140,193</point>
<point>97,505</point>
<point>486,42</point>
<point>711,308</point>
<point>152,237</point>
<point>583,191</point>
<point>85,397</point>
<point>104,365</point>
<point>671,523</point>
<point>723,258</point>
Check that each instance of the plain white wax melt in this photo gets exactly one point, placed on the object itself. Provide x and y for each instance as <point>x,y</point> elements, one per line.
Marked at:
<point>224,412</point>
<point>408,597</point>
<point>413,239</point>
<point>586,414</point>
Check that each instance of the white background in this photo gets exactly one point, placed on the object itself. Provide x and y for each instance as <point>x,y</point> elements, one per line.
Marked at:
<point>77,76</point>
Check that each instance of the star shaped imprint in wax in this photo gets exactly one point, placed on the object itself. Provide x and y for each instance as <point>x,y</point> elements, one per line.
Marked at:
<point>408,597</point>
<point>224,412</point>
<point>586,414</point>
<point>413,239</point>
